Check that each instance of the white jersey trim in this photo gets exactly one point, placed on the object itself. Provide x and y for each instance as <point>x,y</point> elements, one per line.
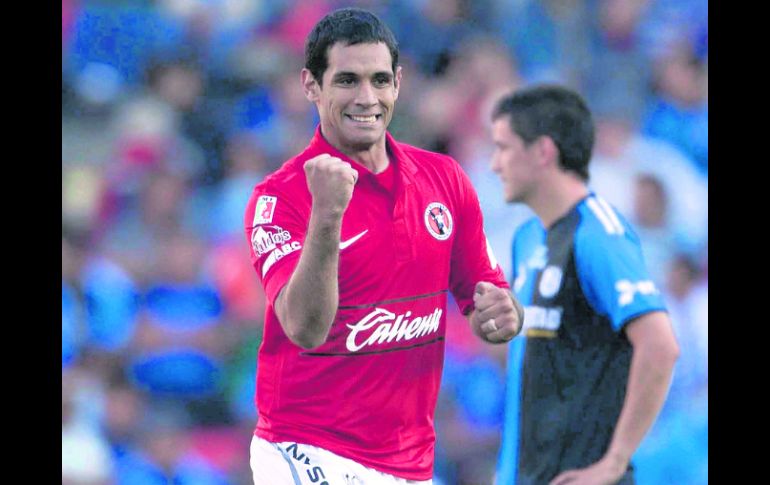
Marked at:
<point>594,206</point>
<point>611,213</point>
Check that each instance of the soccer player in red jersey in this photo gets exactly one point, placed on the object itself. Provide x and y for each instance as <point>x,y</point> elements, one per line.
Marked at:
<point>357,241</point>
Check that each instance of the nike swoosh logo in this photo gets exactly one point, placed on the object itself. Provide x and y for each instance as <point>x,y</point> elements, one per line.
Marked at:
<point>344,244</point>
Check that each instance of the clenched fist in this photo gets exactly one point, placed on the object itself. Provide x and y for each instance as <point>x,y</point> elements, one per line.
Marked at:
<point>330,181</point>
<point>498,315</point>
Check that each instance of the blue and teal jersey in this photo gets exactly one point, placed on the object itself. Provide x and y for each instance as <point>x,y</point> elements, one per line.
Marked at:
<point>581,281</point>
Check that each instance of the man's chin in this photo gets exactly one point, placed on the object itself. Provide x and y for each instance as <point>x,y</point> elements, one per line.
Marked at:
<point>365,141</point>
<point>514,199</point>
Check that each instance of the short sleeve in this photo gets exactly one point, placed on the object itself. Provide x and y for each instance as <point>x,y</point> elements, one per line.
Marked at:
<point>275,229</point>
<point>613,276</point>
<point>472,256</point>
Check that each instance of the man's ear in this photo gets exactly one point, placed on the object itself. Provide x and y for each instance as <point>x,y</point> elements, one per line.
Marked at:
<point>548,150</point>
<point>310,86</point>
<point>397,80</point>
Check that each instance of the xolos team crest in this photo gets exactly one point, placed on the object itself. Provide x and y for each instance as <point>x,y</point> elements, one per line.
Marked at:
<point>438,220</point>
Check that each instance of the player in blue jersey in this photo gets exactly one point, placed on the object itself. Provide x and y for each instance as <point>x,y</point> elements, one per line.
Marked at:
<point>592,372</point>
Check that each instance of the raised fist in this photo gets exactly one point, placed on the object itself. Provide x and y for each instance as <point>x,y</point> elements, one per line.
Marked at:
<point>330,181</point>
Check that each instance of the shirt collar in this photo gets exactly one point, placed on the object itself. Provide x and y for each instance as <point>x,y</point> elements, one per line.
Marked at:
<point>404,162</point>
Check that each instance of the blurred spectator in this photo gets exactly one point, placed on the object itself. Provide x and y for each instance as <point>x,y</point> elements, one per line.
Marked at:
<point>435,113</point>
<point>160,209</point>
<point>259,59</point>
<point>480,72</point>
<point>296,20</point>
<point>145,134</point>
<point>675,452</point>
<point>256,111</point>
<point>679,111</point>
<point>181,83</point>
<point>687,299</point>
<point>294,115</point>
<point>99,303</point>
<point>83,187</point>
<point>98,300</point>
<point>450,112</point>
<point>181,338</point>
<point>169,126</point>
<point>434,33</point>
<point>240,378</point>
<point>111,304</point>
<point>117,40</point>
<point>617,74</point>
<point>275,114</point>
<point>652,222</point>
<point>70,338</point>
<point>124,408</point>
<point>73,254</point>
<point>86,458</point>
<point>469,417</point>
<point>673,21</point>
<point>621,153</point>
<point>231,274</point>
<point>676,449</point>
<point>214,29</point>
<point>549,39</point>
<point>163,453</point>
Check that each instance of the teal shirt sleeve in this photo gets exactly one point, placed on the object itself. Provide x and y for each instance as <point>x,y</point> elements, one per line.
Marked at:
<point>612,273</point>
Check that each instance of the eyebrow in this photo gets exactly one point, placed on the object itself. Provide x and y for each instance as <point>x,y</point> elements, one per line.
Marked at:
<point>345,74</point>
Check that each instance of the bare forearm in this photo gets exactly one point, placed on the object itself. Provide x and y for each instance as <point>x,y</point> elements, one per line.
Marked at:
<point>648,382</point>
<point>308,303</point>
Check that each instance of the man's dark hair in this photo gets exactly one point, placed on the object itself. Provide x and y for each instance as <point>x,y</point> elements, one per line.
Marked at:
<point>556,112</point>
<point>350,26</point>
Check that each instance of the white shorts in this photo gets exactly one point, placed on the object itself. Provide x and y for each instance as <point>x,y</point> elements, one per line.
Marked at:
<point>289,463</point>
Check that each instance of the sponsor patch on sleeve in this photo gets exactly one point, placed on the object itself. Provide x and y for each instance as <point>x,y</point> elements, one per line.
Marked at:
<point>263,214</point>
<point>627,290</point>
<point>275,242</point>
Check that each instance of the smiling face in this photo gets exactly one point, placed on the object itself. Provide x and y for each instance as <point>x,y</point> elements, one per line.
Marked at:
<point>357,96</point>
<point>515,162</point>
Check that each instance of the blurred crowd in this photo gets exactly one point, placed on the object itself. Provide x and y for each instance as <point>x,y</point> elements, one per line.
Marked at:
<point>172,110</point>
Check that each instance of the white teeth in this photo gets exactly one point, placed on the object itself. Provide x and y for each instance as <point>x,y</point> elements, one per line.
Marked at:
<point>364,119</point>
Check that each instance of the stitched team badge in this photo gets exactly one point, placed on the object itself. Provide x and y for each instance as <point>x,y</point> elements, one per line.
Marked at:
<point>263,213</point>
<point>438,220</point>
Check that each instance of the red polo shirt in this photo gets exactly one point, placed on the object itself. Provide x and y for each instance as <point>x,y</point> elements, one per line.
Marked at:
<point>369,392</point>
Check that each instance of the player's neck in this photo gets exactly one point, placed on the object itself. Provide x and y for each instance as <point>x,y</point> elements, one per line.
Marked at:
<point>374,157</point>
<point>554,200</point>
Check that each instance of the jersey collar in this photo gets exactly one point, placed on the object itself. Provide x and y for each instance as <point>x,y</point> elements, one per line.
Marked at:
<point>404,163</point>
